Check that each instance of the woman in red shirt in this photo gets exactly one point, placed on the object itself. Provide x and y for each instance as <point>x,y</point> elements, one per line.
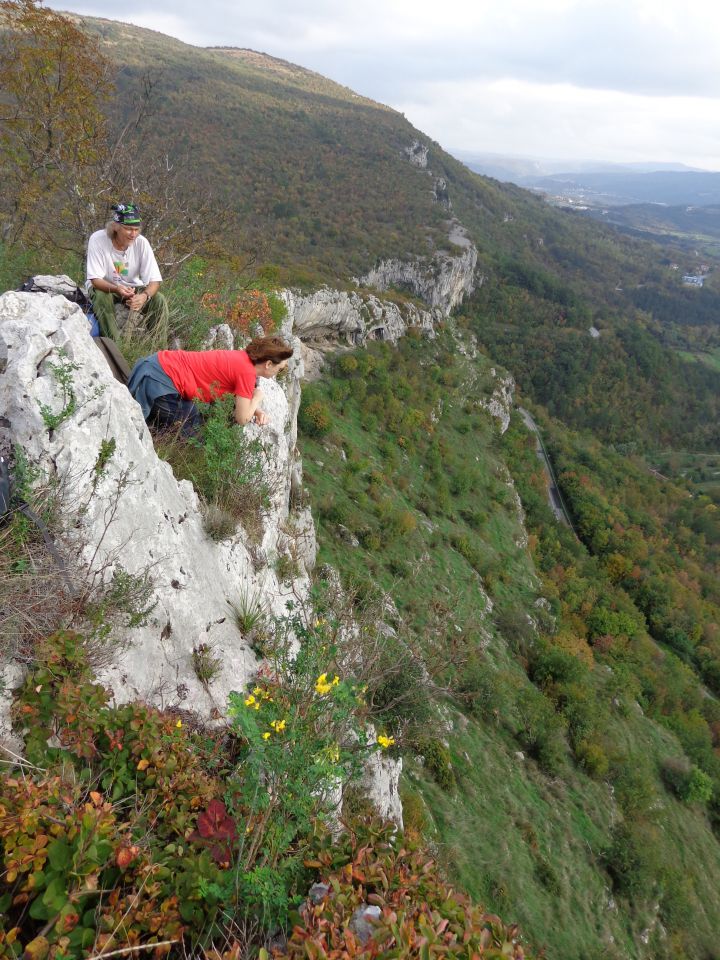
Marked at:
<point>167,383</point>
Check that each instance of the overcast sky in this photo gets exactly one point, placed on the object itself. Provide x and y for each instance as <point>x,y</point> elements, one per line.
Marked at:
<point>622,80</point>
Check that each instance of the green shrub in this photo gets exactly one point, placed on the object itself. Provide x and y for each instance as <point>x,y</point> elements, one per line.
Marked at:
<point>632,859</point>
<point>438,762</point>
<point>699,787</point>
<point>634,781</point>
<point>540,730</point>
<point>346,365</point>
<point>676,897</point>
<point>593,758</point>
<point>314,418</point>
<point>415,816</point>
<point>555,665</point>
<point>225,467</point>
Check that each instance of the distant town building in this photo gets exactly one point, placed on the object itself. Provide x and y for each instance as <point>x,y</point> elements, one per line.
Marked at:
<point>693,281</point>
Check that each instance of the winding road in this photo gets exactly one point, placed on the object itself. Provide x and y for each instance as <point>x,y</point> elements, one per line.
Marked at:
<point>554,497</point>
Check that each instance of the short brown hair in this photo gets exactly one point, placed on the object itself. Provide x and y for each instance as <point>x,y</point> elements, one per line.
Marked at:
<point>274,349</point>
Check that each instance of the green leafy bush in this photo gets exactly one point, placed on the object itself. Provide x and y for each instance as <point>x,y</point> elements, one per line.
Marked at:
<point>631,859</point>
<point>438,762</point>
<point>226,468</point>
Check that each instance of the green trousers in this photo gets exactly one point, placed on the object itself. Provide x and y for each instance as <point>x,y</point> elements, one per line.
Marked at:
<point>155,313</point>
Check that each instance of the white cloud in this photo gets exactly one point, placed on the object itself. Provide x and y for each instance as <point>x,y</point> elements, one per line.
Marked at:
<point>560,120</point>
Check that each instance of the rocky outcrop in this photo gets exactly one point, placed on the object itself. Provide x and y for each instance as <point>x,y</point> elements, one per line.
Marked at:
<point>500,402</point>
<point>328,319</point>
<point>135,516</point>
<point>440,192</point>
<point>442,281</point>
<point>417,154</point>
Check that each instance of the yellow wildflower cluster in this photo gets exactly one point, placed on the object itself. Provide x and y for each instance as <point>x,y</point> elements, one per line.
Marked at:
<point>277,725</point>
<point>255,698</point>
<point>385,742</point>
<point>323,685</point>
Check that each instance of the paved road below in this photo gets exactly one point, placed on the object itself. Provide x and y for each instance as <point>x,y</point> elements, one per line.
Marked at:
<point>554,498</point>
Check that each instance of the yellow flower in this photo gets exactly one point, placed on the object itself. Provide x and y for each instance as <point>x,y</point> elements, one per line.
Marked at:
<point>250,701</point>
<point>179,724</point>
<point>266,735</point>
<point>257,691</point>
<point>336,680</point>
<point>385,742</point>
<point>322,686</point>
<point>277,725</point>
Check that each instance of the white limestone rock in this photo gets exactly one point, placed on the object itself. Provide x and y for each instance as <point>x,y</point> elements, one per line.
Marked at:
<point>441,281</point>
<point>381,784</point>
<point>137,514</point>
<point>417,154</point>
<point>219,337</point>
<point>11,676</point>
<point>327,319</point>
<point>500,403</point>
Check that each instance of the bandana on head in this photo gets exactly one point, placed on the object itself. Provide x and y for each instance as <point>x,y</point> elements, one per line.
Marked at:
<point>127,214</point>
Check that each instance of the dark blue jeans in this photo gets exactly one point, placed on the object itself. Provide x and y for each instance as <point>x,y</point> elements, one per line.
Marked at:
<point>172,411</point>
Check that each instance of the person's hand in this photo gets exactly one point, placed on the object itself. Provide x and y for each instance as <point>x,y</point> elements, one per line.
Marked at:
<point>260,418</point>
<point>124,290</point>
<point>137,301</point>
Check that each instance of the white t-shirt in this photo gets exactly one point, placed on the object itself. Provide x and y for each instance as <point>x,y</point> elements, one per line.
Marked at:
<point>135,266</point>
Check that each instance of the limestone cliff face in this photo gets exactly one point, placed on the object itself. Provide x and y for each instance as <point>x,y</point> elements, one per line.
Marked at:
<point>135,516</point>
<point>441,281</point>
<point>328,319</point>
<point>334,316</point>
<point>138,516</point>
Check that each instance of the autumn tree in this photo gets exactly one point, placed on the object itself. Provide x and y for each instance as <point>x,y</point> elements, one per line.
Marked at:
<point>53,133</point>
<point>63,163</point>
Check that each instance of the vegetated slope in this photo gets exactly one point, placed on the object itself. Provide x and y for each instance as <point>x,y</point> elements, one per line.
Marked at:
<point>566,770</point>
<point>311,168</point>
<point>695,228</point>
<point>657,187</point>
<point>321,184</point>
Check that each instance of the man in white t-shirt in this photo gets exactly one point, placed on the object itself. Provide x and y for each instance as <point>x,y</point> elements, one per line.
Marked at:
<point>121,267</point>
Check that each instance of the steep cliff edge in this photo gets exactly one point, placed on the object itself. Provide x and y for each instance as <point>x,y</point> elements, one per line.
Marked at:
<point>442,281</point>
<point>125,515</point>
<point>135,516</point>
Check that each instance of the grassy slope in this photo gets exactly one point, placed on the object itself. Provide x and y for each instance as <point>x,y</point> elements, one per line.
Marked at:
<point>526,844</point>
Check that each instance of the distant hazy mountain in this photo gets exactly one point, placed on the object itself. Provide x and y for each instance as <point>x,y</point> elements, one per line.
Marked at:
<point>515,169</point>
<point>601,184</point>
